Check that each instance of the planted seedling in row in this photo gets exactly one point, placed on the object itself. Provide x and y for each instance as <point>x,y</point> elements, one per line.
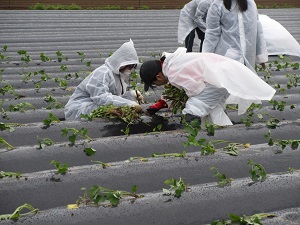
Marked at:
<point>139,158</point>
<point>182,155</point>
<point>257,171</point>
<point>222,180</point>
<point>6,126</point>
<point>104,165</point>
<point>21,107</point>
<point>44,58</point>
<point>52,102</point>
<point>10,174</point>
<point>52,119</point>
<point>157,128</point>
<point>176,187</point>
<point>8,88</point>
<point>294,144</point>
<point>72,138</point>
<point>61,57</point>
<point>98,194</point>
<point>278,105</point>
<point>89,151</point>
<point>6,144</point>
<point>17,213</point>
<point>61,168</point>
<point>244,220</point>
<point>42,142</point>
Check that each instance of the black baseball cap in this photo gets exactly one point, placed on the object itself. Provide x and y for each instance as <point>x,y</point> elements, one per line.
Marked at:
<point>148,72</point>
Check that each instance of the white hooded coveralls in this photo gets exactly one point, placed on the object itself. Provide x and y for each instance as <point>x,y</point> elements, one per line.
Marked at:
<point>204,76</point>
<point>235,34</point>
<point>192,15</point>
<point>104,86</point>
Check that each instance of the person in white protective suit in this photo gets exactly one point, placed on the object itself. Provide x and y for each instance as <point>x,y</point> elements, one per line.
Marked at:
<point>106,85</point>
<point>193,18</point>
<point>233,30</point>
<point>279,41</point>
<point>209,80</point>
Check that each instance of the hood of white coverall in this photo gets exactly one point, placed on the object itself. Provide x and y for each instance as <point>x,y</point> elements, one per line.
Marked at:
<point>125,55</point>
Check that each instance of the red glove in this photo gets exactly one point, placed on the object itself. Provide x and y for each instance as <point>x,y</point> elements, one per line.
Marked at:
<point>157,106</point>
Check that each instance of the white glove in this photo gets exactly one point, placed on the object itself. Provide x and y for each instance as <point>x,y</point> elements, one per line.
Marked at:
<point>138,96</point>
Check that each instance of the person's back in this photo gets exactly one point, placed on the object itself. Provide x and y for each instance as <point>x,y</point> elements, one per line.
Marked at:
<point>235,33</point>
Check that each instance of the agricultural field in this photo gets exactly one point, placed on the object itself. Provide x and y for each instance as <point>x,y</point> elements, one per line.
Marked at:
<point>155,171</point>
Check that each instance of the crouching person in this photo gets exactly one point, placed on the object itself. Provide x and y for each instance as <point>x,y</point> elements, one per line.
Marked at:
<point>106,85</point>
<point>209,80</point>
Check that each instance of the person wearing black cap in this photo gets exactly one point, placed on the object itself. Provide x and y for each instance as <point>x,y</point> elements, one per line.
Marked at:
<point>209,80</point>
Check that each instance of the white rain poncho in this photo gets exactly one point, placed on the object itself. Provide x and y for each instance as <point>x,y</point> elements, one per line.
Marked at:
<point>279,41</point>
<point>193,14</point>
<point>193,71</point>
<point>104,85</point>
<point>234,34</point>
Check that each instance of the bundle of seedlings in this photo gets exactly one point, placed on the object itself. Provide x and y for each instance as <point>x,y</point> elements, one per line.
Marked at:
<point>124,113</point>
<point>176,96</point>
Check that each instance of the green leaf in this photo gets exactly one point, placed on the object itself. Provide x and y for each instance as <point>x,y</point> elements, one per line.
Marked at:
<point>89,151</point>
<point>134,188</point>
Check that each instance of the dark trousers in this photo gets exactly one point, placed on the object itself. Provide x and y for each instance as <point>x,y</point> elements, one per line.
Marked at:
<point>189,40</point>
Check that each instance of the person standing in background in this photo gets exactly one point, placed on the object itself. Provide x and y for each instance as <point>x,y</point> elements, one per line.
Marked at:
<point>233,30</point>
<point>193,19</point>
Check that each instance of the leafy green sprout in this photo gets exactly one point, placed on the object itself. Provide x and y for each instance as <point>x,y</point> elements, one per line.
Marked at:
<point>294,144</point>
<point>17,213</point>
<point>52,102</point>
<point>10,174</point>
<point>244,220</point>
<point>181,155</point>
<point>44,58</point>
<point>143,159</point>
<point>24,56</point>
<point>177,187</point>
<point>222,180</point>
<point>61,57</point>
<point>104,165</point>
<point>98,194</point>
<point>6,144</point>
<point>72,138</point>
<point>208,147</point>
<point>257,171</point>
<point>42,142</point>
<point>89,151</point>
<point>61,168</point>
<point>21,107</point>
<point>52,119</point>
<point>278,105</point>
<point>157,128</point>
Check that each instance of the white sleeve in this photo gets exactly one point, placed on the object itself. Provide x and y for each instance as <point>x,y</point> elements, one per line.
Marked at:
<point>213,29</point>
<point>201,13</point>
<point>101,87</point>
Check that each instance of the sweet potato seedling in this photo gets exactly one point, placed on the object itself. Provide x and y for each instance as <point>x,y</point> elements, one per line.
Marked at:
<point>61,168</point>
<point>176,187</point>
<point>98,194</point>
<point>222,180</point>
<point>17,213</point>
<point>10,174</point>
<point>257,171</point>
<point>72,138</point>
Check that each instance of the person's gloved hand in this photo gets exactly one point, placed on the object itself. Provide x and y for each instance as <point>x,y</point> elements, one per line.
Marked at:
<point>137,108</point>
<point>138,96</point>
<point>157,106</point>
